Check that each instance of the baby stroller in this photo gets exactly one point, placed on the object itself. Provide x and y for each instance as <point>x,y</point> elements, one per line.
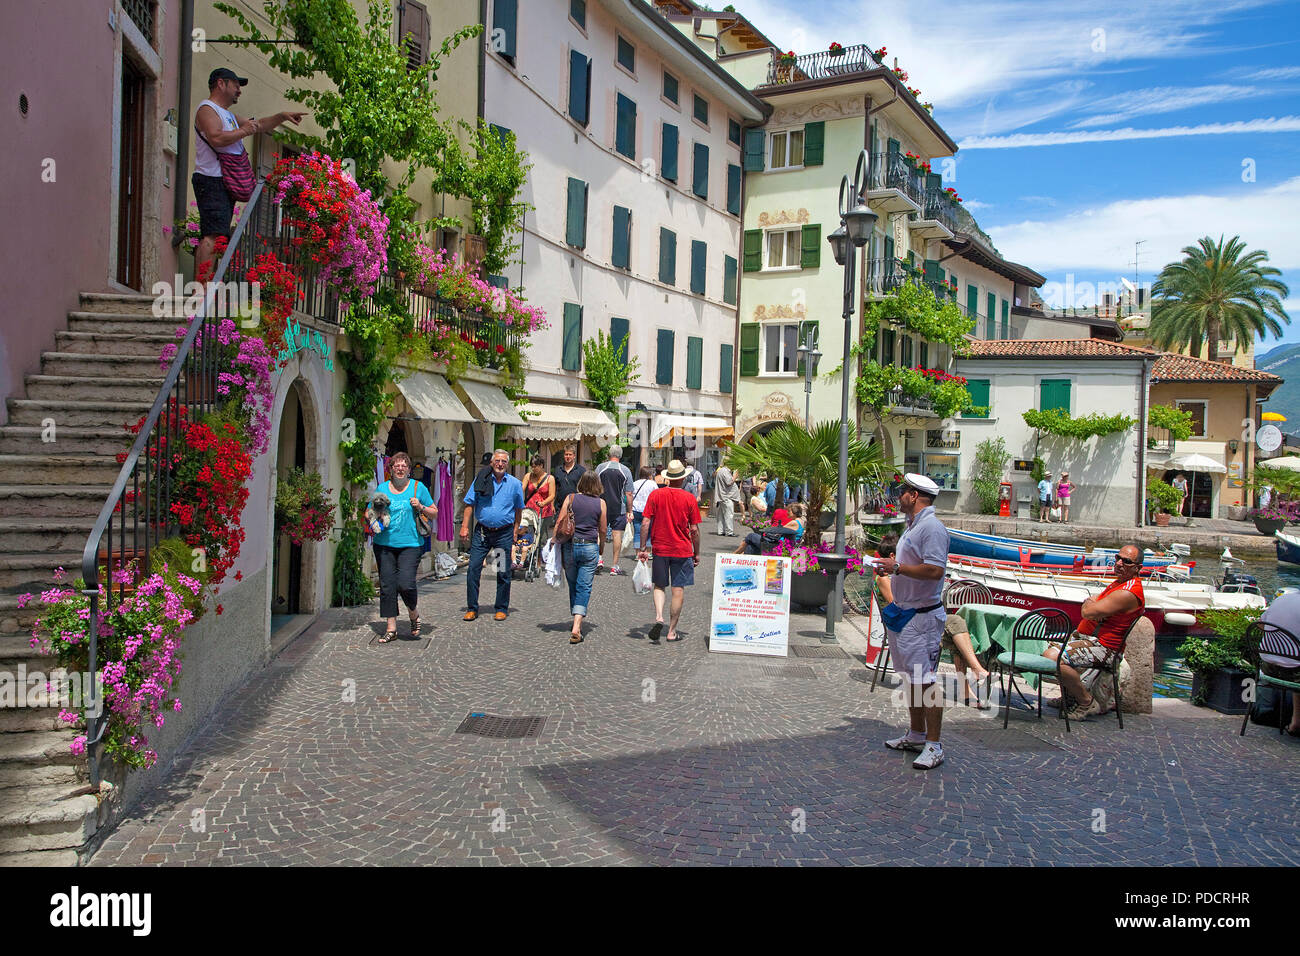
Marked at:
<point>529,554</point>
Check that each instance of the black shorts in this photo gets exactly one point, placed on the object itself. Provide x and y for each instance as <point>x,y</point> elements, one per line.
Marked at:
<point>216,207</point>
<point>674,572</point>
<point>619,523</point>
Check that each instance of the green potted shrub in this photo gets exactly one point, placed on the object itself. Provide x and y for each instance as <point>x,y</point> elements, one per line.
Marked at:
<point>1218,663</point>
<point>1163,499</point>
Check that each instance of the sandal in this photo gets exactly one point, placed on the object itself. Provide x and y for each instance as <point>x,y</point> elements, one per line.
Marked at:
<point>575,638</point>
<point>415,627</point>
<point>388,636</point>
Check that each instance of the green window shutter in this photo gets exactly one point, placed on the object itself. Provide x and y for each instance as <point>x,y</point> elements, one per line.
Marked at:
<point>990,327</point>
<point>505,17</point>
<point>700,180</point>
<point>811,248</point>
<point>894,147</point>
<point>992,312</point>
<point>887,339</point>
<point>733,132</point>
<point>749,336</point>
<point>502,134</point>
<point>733,189</point>
<point>699,253</point>
<point>729,280</point>
<point>622,254</point>
<point>979,396</point>
<point>626,54</point>
<point>575,230</point>
<point>572,358</point>
<point>1054,393</point>
<point>618,333</point>
<point>670,87</point>
<point>664,360</point>
<point>667,256</point>
<point>872,140</point>
<point>668,153</point>
<point>1006,319</point>
<point>905,359</point>
<point>725,361</point>
<point>972,300</point>
<point>889,249</point>
<point>753,250</point>
<point>925,355</point>
<point>578,88</point>
<point>804,328</point>
<point>931,270</point>
<point>814,143</point>
<point>755,150</point>
<point>578,11</point>
<point>694,361</point>
<point>625,127</point>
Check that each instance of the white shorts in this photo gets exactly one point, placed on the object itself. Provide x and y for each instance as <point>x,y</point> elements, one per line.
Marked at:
<point>914,652</point>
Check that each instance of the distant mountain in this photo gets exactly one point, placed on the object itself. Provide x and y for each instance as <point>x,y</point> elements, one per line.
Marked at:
<point>1284,360</point>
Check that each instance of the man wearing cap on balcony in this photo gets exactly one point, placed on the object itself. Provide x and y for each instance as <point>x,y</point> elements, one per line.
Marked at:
<point>220,131</point>
<point>916,617</point>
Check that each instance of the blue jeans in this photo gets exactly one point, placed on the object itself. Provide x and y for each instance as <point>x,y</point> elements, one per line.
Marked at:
<point>580,562</point>
<point>636,529</point>
<point>483,542</point>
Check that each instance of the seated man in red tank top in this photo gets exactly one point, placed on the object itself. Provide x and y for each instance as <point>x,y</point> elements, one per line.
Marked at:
<point>1101,634</point>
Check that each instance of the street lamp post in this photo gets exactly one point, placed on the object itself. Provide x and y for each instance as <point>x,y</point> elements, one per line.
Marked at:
<point>810,356</point>
<point>856,224</point>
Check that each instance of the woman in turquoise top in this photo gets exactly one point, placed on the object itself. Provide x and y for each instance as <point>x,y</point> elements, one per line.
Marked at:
<point>397,547</point>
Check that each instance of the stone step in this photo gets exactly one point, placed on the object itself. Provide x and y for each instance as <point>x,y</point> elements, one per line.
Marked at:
<point>99,366</point>
<point>53,858</point>
<point>38,749</point>
<point>31,440</point>
<point>73,388</point>
<point>26,411</point>
<point>118,303</point>
<point>27,533</point>
<point>15,720</point>
<point>58,469</point>
<point>45,818</point>
<point>16,626</point>
<point>60,502</point>
<point>15,645</point>
<point>34,571</point>
<point>113,343</point>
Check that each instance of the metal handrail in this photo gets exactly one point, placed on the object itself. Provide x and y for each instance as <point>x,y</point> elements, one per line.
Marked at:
<point>152,508</point>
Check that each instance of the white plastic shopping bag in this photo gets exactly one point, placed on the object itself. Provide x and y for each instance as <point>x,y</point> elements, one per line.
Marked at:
<point>627,539</point>
<point>551,560</point>
<point>641,582</point>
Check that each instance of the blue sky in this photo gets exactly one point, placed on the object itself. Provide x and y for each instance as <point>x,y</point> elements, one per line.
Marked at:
<point>1085,127</point>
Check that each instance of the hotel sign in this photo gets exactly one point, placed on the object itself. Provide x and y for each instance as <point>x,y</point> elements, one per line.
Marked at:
<point>939,438</point>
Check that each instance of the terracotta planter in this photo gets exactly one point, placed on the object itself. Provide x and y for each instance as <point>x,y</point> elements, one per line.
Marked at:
<point>1162,520</point>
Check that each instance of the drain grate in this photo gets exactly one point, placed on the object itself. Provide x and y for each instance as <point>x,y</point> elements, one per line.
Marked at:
<point>818,650</point>
<point>487,725</point>
<point>789,670</point>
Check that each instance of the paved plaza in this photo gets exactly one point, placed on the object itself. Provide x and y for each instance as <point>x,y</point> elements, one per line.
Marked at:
<point>345,751</point>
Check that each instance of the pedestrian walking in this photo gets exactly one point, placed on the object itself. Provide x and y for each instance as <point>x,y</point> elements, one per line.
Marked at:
<point>1064,488</point>
<point>496,502</point>
<point>915,618</point>
<point>616,482</point>
<point>581,554</point>
<point>541,486</point>
<point>1045,497</point>
<point>220,133</point>
<point>641,490</point>
<point>398,546</point>
<point>671,525</point>
<point>726,495</point>
<point>566,477</point>
<point>1179,484</point>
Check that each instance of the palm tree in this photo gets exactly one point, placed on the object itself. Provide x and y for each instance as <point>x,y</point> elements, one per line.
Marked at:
<point>1216,292</point>
<point>798,455</point>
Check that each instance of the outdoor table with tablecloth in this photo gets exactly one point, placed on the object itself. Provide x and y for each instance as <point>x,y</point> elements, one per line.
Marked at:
<point>991,624</point>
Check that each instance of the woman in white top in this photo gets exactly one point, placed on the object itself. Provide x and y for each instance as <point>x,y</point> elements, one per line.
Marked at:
<point>641,490</point>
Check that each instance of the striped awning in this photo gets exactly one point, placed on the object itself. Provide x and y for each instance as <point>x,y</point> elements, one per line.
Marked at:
<point>548,422</point>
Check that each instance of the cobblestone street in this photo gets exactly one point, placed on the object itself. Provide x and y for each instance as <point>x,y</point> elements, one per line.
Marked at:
<point>667,754</point>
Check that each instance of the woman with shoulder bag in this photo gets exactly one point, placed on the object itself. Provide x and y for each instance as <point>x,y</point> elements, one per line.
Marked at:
<point>398,547</point>
<point>581,552</point>
<point>645,484</point>
<point>538,482</point>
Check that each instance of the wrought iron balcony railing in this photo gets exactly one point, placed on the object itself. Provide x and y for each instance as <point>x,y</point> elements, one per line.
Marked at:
<point>893,171</point>
<point>902,401</point>
<point>883,276</point>
<point>819,66</point>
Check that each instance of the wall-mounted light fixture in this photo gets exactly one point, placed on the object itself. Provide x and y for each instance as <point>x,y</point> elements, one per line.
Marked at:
<point>1232,445</point>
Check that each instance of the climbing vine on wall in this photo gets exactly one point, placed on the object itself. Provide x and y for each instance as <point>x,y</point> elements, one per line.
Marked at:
<point>1054,421</point>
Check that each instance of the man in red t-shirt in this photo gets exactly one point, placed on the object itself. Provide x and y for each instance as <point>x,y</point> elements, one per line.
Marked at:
<point>1101,633</point>
<point>670,524</point>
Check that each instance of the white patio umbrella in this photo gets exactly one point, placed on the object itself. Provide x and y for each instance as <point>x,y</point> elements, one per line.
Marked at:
<point>1289,462</point>
<point>1195,463</point>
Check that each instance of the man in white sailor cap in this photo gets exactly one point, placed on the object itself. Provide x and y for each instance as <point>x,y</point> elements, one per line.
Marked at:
<point>915,619</point>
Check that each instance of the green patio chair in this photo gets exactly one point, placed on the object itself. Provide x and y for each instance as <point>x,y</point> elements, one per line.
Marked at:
<point>1284,649</point>
<point>1048,624</point>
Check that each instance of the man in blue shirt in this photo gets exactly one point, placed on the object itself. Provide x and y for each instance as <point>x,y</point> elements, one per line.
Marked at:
<point>496,503</point>
<point>1045,497</point>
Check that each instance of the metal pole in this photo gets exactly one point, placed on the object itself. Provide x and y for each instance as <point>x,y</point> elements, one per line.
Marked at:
<point>841,489</point>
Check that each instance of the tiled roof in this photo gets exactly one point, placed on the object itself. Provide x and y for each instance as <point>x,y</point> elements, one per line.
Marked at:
<point>1182,368</point>
<point>1055,349</point>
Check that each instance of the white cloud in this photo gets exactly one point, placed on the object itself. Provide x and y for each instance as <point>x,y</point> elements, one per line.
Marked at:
<point>1101,239</point>
<point>976,204</point>
<point>1276,73</point>
<point>1273,124</point>
<point>1161,99</point>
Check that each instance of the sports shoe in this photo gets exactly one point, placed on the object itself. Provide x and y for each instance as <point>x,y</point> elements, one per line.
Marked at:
<point>905,743</point>
<point>1083,711</point>
<point>616,570</point>
<point>600,565</point>
<point>930,757</point>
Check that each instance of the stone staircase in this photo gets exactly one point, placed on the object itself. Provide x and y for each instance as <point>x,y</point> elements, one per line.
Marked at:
<point>102,374</point>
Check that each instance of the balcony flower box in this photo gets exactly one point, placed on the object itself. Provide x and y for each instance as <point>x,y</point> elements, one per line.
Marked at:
<point>836,50</point>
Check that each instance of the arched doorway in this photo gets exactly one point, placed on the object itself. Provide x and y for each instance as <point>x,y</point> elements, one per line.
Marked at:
<point>293,566</point>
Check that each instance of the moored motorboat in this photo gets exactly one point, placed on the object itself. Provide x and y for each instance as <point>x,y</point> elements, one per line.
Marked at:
<point>996,547</point>
<point>1288,547</point>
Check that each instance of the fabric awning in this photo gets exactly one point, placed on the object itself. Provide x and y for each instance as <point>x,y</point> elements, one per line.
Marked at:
<point>430,397</point>
<point>668,428</point>
<point>488,402</point>
<point>566,423</point>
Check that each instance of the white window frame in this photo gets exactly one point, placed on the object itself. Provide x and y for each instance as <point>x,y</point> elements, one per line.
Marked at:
<point>771,149</point>
<point>762,349</point>
<point>1205,415</point>
<point>783,230</point>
